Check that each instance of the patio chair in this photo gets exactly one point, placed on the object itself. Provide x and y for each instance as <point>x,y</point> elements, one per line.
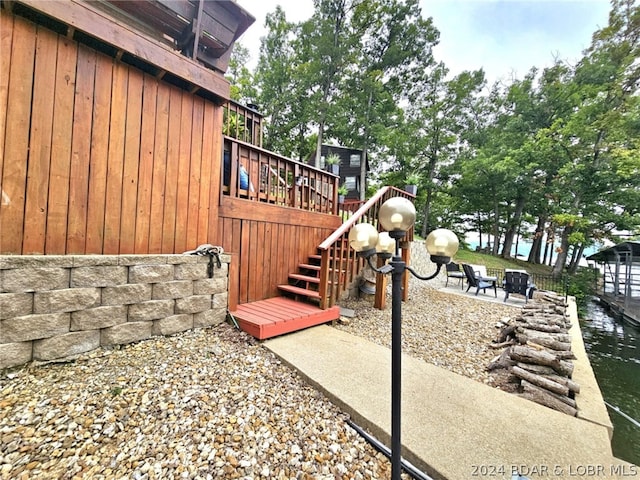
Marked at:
<point>474,279</point>
<point>519,283</point>
<point>453,271</point>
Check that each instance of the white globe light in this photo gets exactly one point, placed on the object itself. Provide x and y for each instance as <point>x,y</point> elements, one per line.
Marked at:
<point>397,213</point>
<point>385,244</point>
<point>442,243</point>
<point>363,237</point>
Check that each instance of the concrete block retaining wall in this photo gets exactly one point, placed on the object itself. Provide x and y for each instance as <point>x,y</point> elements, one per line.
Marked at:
<point>55,306</point>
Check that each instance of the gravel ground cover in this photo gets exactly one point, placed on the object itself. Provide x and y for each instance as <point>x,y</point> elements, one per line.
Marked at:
<point>449,331</point>
<point>214,403</point>
<point>206,404</point>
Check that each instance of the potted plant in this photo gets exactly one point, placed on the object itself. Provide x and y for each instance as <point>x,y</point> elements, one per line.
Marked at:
<point>332,163</point>
<point>411,185</point>
<point>342,193</point>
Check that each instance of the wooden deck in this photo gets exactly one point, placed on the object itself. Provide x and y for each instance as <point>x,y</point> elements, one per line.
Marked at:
<point>279,315</point>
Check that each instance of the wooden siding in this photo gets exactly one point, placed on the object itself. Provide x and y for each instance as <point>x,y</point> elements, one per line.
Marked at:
<point>91,18</point>
<point>98,157</point>
<point>269,242</point>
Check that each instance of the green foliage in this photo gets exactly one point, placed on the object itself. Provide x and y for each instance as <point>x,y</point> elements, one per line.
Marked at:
<point>491,261</point>
<point>243,89</point>
<point>115,391</point>
<point>581,285</point>
<point>412,179</point>
<point>233,124</point>
<point>332,159</point>
<point>556,152</point>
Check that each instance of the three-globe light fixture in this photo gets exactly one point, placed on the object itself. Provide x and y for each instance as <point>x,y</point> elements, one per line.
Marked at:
<point>397,215</point>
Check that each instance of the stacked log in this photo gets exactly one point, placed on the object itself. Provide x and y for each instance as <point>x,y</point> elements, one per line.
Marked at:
<point>537,357</point>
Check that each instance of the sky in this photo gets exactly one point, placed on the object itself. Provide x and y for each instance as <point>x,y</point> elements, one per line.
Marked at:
<point>505,37</point>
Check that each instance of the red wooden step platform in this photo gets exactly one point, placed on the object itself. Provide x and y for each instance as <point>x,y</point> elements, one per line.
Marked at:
<point>279,315</point>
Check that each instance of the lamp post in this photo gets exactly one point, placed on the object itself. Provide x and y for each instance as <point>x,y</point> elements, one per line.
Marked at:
<point>396,216</point>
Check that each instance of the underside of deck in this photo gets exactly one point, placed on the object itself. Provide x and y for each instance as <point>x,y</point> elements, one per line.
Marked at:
<point>279,315</point>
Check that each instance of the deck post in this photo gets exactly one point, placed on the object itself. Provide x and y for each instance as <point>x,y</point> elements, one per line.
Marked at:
<point>324,280</point>
<point>406,258</point>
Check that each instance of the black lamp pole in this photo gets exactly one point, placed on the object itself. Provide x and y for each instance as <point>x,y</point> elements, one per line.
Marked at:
<point>396,362</point>
<point>397,267</point>
<point>396,216</point>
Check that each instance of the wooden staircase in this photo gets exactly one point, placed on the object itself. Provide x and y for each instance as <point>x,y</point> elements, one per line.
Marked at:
<point>298,308</point>
<point>313,290</point>
<point>305,283</point>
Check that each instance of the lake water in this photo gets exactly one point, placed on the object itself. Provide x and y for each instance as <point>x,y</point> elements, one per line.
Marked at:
<point>614,352</point>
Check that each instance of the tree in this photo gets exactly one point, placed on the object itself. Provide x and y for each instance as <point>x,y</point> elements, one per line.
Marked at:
<point>328,31</point>
<point>281,92</point>
<point>394,42</point>
<point>594,138</point>
<point>243,89</point>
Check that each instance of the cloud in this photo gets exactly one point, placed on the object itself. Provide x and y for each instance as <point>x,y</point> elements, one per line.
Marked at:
<point>504,37</point>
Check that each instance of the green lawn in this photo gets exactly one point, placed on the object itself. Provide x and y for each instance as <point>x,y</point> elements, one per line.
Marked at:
<point>475,258</point>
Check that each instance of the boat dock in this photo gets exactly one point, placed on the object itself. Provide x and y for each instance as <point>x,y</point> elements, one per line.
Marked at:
<point>619,288</point>
<point>625,308</point>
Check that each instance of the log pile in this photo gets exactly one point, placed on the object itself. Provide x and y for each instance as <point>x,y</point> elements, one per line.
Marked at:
<point>536,360</point>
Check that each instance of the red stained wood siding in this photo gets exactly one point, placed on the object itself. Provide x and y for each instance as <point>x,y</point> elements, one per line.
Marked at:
<point>98,157</point>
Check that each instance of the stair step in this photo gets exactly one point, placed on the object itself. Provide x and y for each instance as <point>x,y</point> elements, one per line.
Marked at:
<point>308,266</point>
<point>304,278</point>
<point>319,258</point>
<point>279,315</point>
<point>300,291</point>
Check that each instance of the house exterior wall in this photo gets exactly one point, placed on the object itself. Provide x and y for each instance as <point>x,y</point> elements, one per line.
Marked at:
<point>55,306</point>
<point>113,146</point>
<point>100,157</point>
<point>346,170</point>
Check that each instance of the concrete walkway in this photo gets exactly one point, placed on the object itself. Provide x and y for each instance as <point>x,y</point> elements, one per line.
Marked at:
<point>453,427</point>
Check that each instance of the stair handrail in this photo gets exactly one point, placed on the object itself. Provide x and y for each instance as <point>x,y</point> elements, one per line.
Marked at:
<point>360,213</point>
<point>339,270</point>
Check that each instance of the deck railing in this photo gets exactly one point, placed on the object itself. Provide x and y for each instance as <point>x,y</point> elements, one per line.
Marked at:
<point>252,173</point>
<point>242,122</point>
<point>340,265</point>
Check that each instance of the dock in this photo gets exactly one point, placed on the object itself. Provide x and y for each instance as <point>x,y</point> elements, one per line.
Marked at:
<point>626,309</point>
<point>619,286</point>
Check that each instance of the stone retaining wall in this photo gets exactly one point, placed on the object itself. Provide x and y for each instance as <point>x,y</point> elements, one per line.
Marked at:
<point>55,306</point>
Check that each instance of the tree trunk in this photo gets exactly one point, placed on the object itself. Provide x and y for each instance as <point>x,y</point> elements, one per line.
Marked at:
<point>548,249</point>
<point>496,229</point>
<point>365,149</point>
<point>514,224</point>
<point>575,263</point>
<point>426,212</point>
<point>561,259</point>
<point>536,248</point>
<point>319,144</point>
<point>541,381</point>
<point>529,355</point>
<point>433,160</point>
<point>545,398</point>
